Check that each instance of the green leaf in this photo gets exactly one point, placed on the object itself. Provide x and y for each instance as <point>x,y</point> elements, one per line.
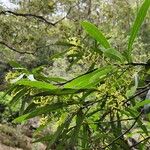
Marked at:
<point>113,54</point>
<point>42,110</point>
<point>18,66</point>
<point>142,103</point>
<point>32,106</point>
<point>18,96</point>
<point>79,120</point>
<point>65,91</point>
<point>138,22</point>
<point>85,142</point>
<point>37,70</point>
<point>131,92</point>
<point>15,64</point>
<point>49,79</point>
<point>58,55</point>
<point>89,80</point>
<point>37,84</point>
<point>142,126</point>
<point>10,90</point>
<point>133,89</point>
<point>56,79</point>
<point>95,33</point>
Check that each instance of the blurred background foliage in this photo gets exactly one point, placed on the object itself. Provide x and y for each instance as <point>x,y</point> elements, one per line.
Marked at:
<point>21,35</point>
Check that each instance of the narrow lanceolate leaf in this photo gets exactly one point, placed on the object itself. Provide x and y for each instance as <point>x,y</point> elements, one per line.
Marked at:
<point>138,22</point>
<point>43,110</point>
<point>37,84</point>
<point>74,135</point>
<point>131,92</point>
<point>113,54</point>
<point>15,64</point>
<point>95,33</point>
<point>85,143</point>
<point>49,79</point>
<point>89,80</point>
<point>60,92</point>
<point>18,95</point>
<point>142,103</point>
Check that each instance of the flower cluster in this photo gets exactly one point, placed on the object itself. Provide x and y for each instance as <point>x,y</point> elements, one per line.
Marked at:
<point>43,120</point>
<point>42,101</point>
<point>11,76</point>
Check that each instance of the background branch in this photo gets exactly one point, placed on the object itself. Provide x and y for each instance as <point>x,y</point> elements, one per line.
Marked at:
<point>41,18</point>
<point>13,49</point>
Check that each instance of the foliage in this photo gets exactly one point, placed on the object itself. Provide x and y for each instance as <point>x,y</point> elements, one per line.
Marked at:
<point>7,113</point>
<point>97,109</point>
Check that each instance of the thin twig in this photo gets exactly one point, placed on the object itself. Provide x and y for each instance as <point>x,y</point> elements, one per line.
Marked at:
<point>138,64</point>
<point>13,49</point>
<point>134,64</point>
<point>137,94</point>
<point>61,84</point>
<point>96,122</point>
<point>122,72</point>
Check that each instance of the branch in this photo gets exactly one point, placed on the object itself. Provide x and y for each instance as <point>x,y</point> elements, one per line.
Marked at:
<point>138,64</point>
<point>125,131</point>
<point>135,64</point>
<point>139,93</point>
<point>98,122</point>
<point>13,49</point>
<point>119,120</point>
<point>28,15</point>
<point>41,18</point>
